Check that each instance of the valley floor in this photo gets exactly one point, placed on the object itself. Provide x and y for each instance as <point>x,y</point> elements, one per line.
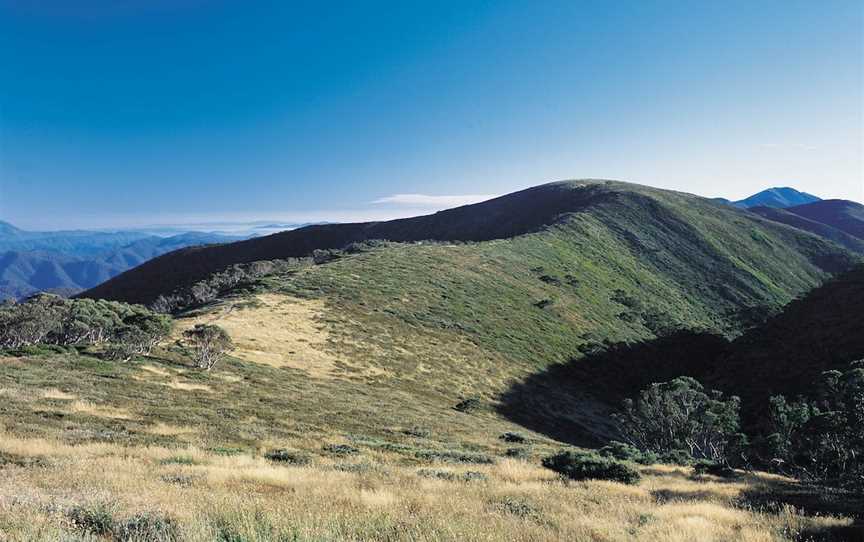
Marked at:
<point>52,491</point>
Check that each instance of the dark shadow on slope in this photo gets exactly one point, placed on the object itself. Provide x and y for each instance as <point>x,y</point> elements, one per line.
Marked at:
<point>823,330</point>
<point>812,500</point>
<point>571,402</point>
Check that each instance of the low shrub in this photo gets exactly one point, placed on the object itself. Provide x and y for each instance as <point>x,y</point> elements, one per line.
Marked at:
<point>96,519</point>
<point>676,457</point>
<point>340,449</point>
<point>417,432</point>
<point>471,404</point>
<point>518,507</point>
<point>513,437</point>
<point>518,453</point>
<point>452,456</point>
<point>469,476</point>
<point>292,457</point>
<point>590,466</point>
<point>178,460</point>
<point>147,527</point>
<point>626,452</point>
<point>713,468</point>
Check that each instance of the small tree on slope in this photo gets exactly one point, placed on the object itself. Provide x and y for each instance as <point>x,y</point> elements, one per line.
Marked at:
<point>210,342</point>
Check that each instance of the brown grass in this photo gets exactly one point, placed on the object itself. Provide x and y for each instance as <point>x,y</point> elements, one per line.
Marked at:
<point>249,498</point>
<point>275,330</point>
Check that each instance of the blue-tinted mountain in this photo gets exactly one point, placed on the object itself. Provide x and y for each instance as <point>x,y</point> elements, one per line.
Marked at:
<point>824,230</point>
<point>67,262</point>
<point>846,216</point>
<point>776,198</point>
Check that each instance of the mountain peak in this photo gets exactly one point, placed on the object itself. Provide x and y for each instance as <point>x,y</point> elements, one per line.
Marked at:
<point>778,197</point>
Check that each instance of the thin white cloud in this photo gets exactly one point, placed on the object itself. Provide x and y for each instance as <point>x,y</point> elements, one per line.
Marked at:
<point>427,201</point>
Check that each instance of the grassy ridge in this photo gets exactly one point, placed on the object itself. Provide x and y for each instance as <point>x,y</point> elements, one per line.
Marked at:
<point>529,211</point>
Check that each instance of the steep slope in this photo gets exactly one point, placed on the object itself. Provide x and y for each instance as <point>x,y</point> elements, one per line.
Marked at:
<point>789,217</point>
<point>844,215</point>
<point>654,223</point>
<point>778,198</point>
<point>821,331</point>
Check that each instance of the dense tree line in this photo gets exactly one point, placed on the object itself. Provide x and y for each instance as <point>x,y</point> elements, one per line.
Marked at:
<point>239,276</point>
<point>231,279</point>
<point>818,439</point>
<point>125,330</point>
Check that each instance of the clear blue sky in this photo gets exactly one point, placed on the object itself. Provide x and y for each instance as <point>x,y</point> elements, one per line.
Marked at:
<point>128,112</point>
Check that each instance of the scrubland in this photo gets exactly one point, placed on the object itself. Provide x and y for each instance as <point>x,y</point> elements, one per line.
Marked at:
<point>53,491</point>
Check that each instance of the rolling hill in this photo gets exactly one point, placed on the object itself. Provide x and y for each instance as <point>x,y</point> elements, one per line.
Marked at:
<point>846,216</point>
<point>551,274</point>
<point>396,365</point>
<point>650,223</point>
<point>817,227</point>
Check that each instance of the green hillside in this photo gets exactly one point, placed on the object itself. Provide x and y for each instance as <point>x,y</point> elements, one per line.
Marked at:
<point>442,321</point>
<point>654,226</point>
<point>823,330</point>
<point>409,365</point>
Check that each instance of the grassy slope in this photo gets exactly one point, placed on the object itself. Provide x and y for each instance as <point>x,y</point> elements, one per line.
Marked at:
<point>205,497</point>
<point>821,331</point>
<point>831,233</point>
<point>412,329</point>
<point>531,210</point>
<point>435,323</point>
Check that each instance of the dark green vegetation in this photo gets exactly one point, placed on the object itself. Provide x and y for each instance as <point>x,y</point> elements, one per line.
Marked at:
<point>588,466</point>
<point>819,332</point>
<point>67,262</point>
<point>819,439</point>
<point>822,438</point>
<point>47,320</point>
<point>680,415</point>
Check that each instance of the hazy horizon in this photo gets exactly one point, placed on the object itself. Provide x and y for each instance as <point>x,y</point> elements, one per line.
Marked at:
<point>387,208</point>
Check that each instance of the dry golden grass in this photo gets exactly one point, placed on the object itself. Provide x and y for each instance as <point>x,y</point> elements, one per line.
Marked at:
<point>187,386</point>
<point>244,497</point>
<point>54,393</point>
<point>102,411</point>
<point>274,329</point>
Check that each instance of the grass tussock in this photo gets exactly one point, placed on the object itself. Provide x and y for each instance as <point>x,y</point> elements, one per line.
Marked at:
<point>195,495</point>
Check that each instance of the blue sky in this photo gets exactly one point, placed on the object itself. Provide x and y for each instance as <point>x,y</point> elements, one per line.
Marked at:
<point>122,113</point>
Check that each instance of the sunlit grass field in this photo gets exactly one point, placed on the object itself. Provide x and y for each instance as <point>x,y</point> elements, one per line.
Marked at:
<point>53,491</point>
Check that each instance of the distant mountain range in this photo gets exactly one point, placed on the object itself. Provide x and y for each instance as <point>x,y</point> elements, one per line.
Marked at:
<point>840,221</point>
<point>67,262</point>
